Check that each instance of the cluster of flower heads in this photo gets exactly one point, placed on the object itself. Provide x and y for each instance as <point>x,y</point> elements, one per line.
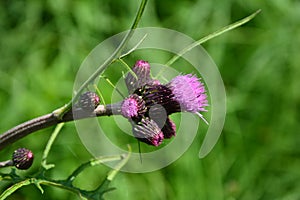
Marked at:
<point>150,102</point>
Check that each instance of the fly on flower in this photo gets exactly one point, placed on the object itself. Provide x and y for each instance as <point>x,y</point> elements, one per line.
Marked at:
<point>150,103</point>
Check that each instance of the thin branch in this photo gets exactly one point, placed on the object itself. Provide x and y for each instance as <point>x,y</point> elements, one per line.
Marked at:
<point>26,128</point>
<point>93,162</point>
<point>6,163</point>
<point>212,35</point>
<point>48,120</point>
<point>208,37</point>
<point>67,183</point>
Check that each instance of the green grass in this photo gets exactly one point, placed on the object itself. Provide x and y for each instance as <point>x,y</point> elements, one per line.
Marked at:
<point>42,44</point>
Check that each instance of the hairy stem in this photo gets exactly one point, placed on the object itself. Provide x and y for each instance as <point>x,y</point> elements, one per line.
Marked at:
<point>51,119</point>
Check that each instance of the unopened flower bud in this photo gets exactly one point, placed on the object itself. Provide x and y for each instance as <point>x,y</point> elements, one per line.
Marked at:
<point>22,158</point>
<point>140,77</point>
<point>89,101</point>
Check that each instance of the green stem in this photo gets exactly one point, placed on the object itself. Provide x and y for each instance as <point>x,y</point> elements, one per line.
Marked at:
<point>211,36</point>
<point>67,184</point>
<point>110,83</point>
<point>113,173</point>
<point>100,94</point>
<point>133,48</point>
<point>14,187</point>
<point>128,68</point>
<point>91,163</point>
<point>38,183</point>
<point>49,145</point>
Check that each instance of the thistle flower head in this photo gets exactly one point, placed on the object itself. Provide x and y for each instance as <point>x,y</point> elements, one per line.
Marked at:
<point>22,158</point>
<point>132,106</point>
<point>150,103</point>
<point>147,131</point>
<point>189,92</point>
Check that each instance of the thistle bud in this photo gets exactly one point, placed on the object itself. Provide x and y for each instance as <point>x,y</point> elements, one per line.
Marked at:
<point>89,101</point>
<point>140,77</point>
<point>22,158</point>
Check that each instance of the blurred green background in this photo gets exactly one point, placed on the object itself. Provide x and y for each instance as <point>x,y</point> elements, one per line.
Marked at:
<point>42,44</point>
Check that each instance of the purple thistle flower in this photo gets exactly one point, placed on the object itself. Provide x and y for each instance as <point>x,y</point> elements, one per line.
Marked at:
<point>147,131</point>
<point>140,77</point>
<point>151,103</point>
<point>189,92</point>
<point>133,106</point>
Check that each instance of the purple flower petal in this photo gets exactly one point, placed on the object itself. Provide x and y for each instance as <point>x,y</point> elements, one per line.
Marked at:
<point>189,92</point>
<point>132,106</point>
